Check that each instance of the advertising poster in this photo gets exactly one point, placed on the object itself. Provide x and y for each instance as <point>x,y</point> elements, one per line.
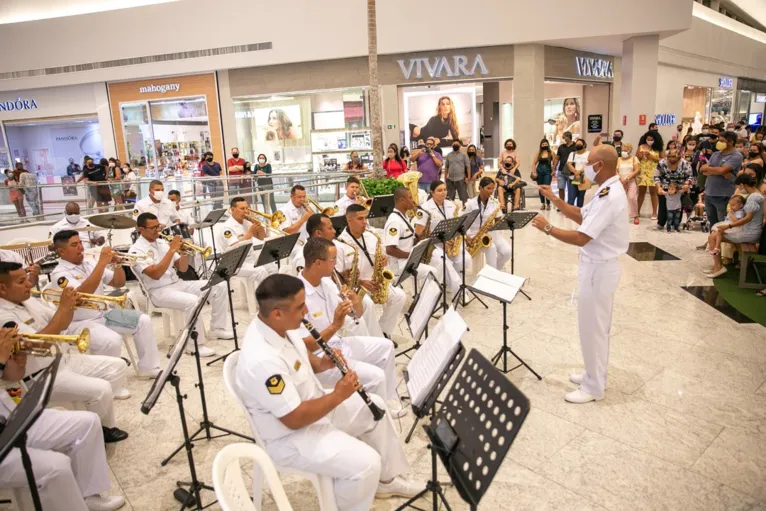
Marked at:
<point>190,110</point>
<point>446,115</point>
<point>562,115</point>
<point>71,189</point>
<point>275,123</point>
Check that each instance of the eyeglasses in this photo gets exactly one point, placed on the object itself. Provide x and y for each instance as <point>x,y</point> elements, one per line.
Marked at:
<point>331,260</point>
<point>153,228</point>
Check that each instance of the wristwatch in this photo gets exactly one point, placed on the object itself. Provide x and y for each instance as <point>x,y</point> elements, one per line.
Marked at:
<point>548,228</point>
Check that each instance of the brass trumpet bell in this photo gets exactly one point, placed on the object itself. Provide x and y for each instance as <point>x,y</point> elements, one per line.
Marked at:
<point>188,247</point>
<point>39,345</point>
<point>84,300</point>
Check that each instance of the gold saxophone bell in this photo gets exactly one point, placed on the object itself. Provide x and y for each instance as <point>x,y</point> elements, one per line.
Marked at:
<point>189,247</point>
<point>316,208</point>
<point>84,300</point>
<point>39,345</point>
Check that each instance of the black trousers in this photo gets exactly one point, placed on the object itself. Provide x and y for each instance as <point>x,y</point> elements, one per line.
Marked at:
<point>662,211</point>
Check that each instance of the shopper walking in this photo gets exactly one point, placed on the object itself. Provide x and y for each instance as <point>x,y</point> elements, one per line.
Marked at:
<point>458,172</point>
<point>263,175</point>
<point>16,195</point>
<point>211,169</point>
<point>627,168</point>
<point>477,170</point>
<point>542,170</point>
<point>28,183</point>
<point>560,164</point>
<point>720,174</point>
<point>394,165</point>
<point>648,154</point>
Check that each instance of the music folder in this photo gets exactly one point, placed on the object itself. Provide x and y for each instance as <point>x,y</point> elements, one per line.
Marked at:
<point>498,284</point>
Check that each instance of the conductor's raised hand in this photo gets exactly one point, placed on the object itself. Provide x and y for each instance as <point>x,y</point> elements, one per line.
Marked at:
<point>546,191</point>
<point>347,385</point>
<point>540,222</point>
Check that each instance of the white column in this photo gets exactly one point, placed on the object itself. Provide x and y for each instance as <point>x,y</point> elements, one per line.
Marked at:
<point>104,120</point>
<point>638,95</point>
<point>528,101</point>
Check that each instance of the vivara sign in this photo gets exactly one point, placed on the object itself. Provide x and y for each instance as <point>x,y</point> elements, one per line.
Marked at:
<point>596,68</point>
<point>19,104</point>
<point>442,67</point>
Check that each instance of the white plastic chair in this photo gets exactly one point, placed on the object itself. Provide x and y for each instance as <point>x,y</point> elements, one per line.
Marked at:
<point>249,288</point>
<point>229,483</point>
<point>322,484</point>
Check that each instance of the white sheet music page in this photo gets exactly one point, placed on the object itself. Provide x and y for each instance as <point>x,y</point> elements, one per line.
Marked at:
<point>429,296</point>
<point>433,356</point>
<point>499,283</point>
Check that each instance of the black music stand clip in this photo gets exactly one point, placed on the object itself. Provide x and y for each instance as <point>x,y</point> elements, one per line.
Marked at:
<point>511,222</point>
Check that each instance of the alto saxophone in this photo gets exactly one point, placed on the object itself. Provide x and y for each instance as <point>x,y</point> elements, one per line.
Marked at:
<point>381,275</point>
<point>426,233</point>
<point>353,274</point>
<point>482,238</point>
<point>453,246</point>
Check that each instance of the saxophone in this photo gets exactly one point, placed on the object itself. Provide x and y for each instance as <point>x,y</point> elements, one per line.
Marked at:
<point>353,274</point>
<point>381,275</point>
<point>426,233</point>
<point>453,246</point>
<point>482,238</point>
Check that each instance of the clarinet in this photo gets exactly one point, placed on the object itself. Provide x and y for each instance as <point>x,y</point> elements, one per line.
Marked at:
<point>377,413</point>
<point>344,296</point>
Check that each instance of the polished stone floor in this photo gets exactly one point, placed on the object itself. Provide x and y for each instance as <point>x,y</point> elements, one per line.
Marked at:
<point>683,425</point>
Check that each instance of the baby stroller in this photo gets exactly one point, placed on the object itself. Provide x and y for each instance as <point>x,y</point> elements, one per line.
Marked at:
<point>695,212</point>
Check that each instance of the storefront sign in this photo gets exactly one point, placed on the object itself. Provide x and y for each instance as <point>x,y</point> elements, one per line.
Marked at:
<point>665,119</point>
<point>597,68</point>
<point>19,104</point>
<point>624,120</point>
<point>642,120</point>
<point>162,89</point>
<point>725,83</point>
<point>442,67</point>
<point>595,123</point>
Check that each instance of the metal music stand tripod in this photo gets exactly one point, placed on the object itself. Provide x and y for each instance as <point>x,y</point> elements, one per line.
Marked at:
<point>511,222</point>
<point>444,231</point>
<point>212,218</point>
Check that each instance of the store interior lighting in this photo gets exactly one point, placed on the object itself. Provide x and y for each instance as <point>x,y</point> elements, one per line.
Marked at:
<point>32,10</point>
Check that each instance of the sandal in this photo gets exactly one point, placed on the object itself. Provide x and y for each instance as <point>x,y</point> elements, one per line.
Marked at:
<point>761,293</point>
<point>715,251</point>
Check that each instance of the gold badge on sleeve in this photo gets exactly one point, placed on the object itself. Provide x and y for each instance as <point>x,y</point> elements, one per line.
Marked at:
<point>392,231</point>
<point>62,282</point>
<point>227,234</point>
<point>297,365</point>
<point>275,384</point>
<point>604,192</point>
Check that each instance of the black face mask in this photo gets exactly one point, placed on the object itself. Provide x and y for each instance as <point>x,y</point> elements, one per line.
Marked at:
<point>209,158</point>
<point>544,147</point>
<point>471,153</point>
<point>509,148</point>
<point>754,154</point>
<point>616,138</point>
<point>456,147</point>
<point>579,147</point>
<point>507,165</point>
<point>235,155</point>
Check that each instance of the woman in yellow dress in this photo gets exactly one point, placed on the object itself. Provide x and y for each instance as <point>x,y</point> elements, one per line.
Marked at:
<point>649,154</point>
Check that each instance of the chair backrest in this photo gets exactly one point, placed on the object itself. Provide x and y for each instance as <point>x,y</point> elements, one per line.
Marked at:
<point>230,488</point>
<point>230,380</point>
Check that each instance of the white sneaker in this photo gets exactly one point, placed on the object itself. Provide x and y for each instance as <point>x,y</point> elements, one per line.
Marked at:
<point>221,333</point>
<point>150,374</point>
<point>123,393</point>
<point>576,378</point>
<point>718,273</point>
<point>104,503</point>
<point>399,487</point>
<point>580,396</point>
<point>204,351</point>
<point>396,409</point>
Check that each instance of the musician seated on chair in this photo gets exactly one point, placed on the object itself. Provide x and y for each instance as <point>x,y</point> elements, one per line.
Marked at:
<point>371,357</point>
<point>33,270</point>
<point>91,381</point>
<point>236,231</point>
<point>436,209</point>
<point>165,289</point>
<point>185,216</point>
<point>65,449</point>
<point>352,196</point>
<point>158,205</point>
<point>400,237</point>
<point>106,326</point>
<point>499,252</point>
<point>367,243</point>
<point>305,427</point>
<point>296,214</point>
<point>72,221</point>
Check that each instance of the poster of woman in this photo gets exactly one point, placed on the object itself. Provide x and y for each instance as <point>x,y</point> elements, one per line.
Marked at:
<point>445,115</point>
<point>282,123</point>
<point>568,119</point>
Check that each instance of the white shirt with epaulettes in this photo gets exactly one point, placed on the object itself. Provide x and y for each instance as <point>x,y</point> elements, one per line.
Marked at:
<point>445,212</point>
<point>156,251</point>
<point>399,232</point>
<point>231,234</point>
<point>366,245</point>
<point>485,211</point>
<point>292,215</point>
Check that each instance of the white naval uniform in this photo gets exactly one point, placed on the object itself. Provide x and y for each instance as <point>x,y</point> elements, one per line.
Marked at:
<point>273,378</point>
<point>445,212</point>
<point>172,292</point>
<point>371,357</point>
<point>85,237</point>
<point>9,256</point>
<point>165,210</point>
<point>399,232</point>
<point>604,220</point>
<point>367,246</point>
<point>68,458</point>
<point>185,216</point>
<point>292,215</point>
<point>342,205</point>
<point>106,340</point>
<point>87,379</point>
<point>499,252</point>
<point>230,235</point>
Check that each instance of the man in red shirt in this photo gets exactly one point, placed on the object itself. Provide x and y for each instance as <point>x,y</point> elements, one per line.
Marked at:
<point>235,166</point>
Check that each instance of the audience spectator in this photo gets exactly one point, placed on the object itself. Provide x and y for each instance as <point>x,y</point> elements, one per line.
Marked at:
<point>16,195</point>
<point>510,150</point>
<point>627,168</point>
<point>235,167</point>
<point>28,183</point>
<point>670,170</point>
<point>560,163</point>
<point>130,177</point>
<point>673,212</point>
<point>114,177</point>
<point>404,153</point>
<point>429,164</point>
<point>648,154</point>
<point>477,169</point>
<point>542,170</point>
<point>246,184</point>
<point>736,212</point>
<point>458,172</point>
<point>263,176</point>
<point>720,174</point>
<point>394,165</point>
<point>212,169</point>
<point>509,183</point>
<point>577,184</point>
<point>355,164</point>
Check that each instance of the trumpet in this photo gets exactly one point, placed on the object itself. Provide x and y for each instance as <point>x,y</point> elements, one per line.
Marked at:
<point>274,220</point>
<point>187,247</point>
<point>122,258</point>
<point>39,345</point>
<point>84,300</point>
<point>316,208</point>
<point>366,196</point>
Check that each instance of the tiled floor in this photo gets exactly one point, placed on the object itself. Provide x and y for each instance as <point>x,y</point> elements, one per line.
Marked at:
<point>683,425</point>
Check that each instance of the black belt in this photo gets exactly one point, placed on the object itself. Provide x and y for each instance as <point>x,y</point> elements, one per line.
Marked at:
<point>31,377</point>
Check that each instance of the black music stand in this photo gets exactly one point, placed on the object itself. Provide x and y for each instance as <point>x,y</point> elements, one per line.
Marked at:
<point>473,431</point>
<point>23,417</point>
<point>276,249</point>
<point>444,231</point>
<point>338,223</point>
<point>381,207</point>
<point>411,270</point>
<point>511,222</point>
<point>413,307</point>
<point>228,266</point>
<point>429,404</point>
<point>212,218</point>
<point>459,298</point>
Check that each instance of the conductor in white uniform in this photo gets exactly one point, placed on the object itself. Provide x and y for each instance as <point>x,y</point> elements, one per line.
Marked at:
<point>303,426</point>
<point>602,238</point>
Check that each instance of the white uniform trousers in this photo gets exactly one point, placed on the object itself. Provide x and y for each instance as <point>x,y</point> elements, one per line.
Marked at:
<point>597,285</point>
<point>257,275</point>
<point>453,277</point>
<point>143,337</point>
<point>183,295</point>
<point>368,324</point>
<point>355,451</point>
<point>457,263</point>
<point>66,449</point>
<point>392,309</point>
<point>372,358</point>
<point>90,380</point>
<point>105,345</point>
<point>499,253</point>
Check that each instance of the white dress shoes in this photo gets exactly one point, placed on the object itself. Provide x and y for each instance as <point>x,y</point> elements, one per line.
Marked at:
<point>204,351</point>
<point>221,333</point>
<point>104,503</point>
<point>580,396</point>
<point>399,487</point>
<point>576,378</point>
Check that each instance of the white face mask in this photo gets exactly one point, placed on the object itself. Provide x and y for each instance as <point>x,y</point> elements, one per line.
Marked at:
<point>261,161</point>
<point>625,154</point>
<point>590,173</point>
<point>73,219</point>
<point>158,194</point>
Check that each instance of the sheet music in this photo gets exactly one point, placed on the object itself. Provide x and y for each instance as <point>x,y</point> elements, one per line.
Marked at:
<point>429,296</point>
<point>433,356</point>
<point>498,283</point>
